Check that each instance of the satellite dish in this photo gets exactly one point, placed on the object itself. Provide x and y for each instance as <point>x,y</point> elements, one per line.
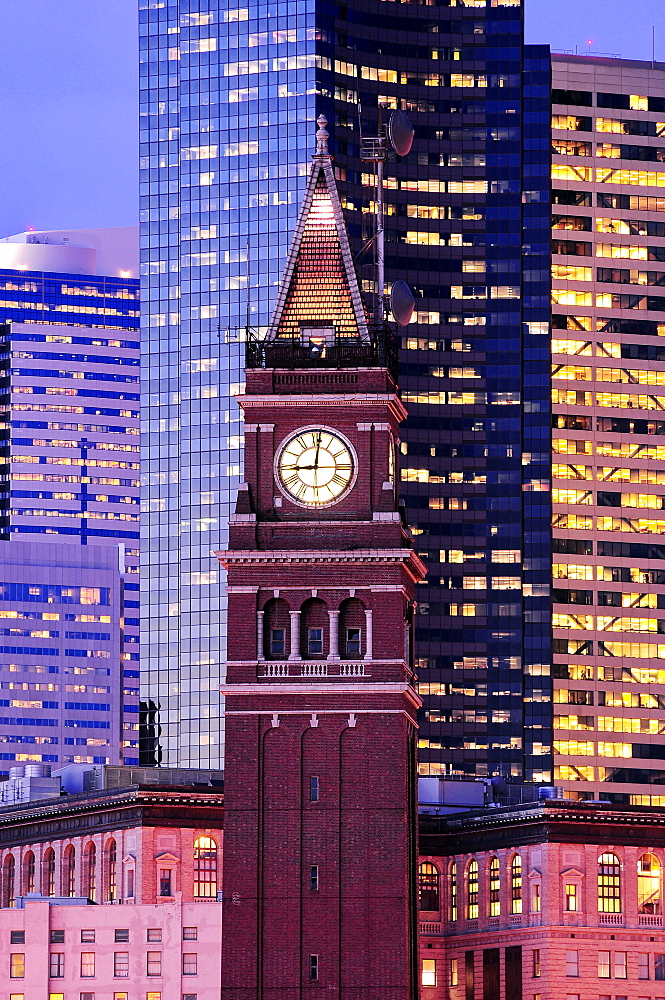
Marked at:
<point>402,302</point>
<point>400,133</point>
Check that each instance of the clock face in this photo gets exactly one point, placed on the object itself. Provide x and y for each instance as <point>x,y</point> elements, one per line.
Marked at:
<point>315,467</point>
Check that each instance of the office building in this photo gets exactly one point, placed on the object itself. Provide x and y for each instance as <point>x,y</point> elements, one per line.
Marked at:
<point>547,899</point>
<point>608,473</point>
<point>228,101</point>
<point>150,844</point>
<point>69,498</point>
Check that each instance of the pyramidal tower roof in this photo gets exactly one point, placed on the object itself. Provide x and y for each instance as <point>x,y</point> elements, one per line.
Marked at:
<point>319,287</point>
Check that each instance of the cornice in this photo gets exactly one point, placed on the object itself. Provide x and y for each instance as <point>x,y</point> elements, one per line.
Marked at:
<point>333,400</point>
<point>330,556</point>
<point>96,812</point>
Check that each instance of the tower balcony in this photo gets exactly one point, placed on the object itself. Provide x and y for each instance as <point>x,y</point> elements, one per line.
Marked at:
<point>313,668</point>
<point>324,348</point>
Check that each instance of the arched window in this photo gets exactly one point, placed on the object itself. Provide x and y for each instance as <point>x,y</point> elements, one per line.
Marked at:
<point>205,868</point>
<point>9,881</point>
<point>28,882</point>
<point>276,630</point>
<point>112,870</point>
<point>495,889</point>
<point>609,884</point>
<point>352,629</point>
<point>69,871</point>
<point>452,875</point>
<point>472,890</point>
<point>90,872</point>
<point>516,884</point>
<point>314,630</point>
<point>48,872</point>
<point>648,884</point>
<point>428,886</point>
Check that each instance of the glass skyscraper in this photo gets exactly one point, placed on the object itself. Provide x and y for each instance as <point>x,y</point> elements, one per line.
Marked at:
<point>69,498</point>
<point>228,103</point>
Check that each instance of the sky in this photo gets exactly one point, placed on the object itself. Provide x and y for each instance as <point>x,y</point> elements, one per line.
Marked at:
<point>68,104</point>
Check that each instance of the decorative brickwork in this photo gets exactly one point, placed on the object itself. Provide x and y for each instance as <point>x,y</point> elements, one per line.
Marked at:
<point>319,854</point>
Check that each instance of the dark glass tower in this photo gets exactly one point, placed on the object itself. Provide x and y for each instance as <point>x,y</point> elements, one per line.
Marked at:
<point>228,102</point>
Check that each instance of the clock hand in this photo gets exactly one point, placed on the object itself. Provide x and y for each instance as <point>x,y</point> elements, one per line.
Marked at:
<point>316,457</point>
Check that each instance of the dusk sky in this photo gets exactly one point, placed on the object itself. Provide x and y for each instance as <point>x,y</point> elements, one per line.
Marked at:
<point>68,80</point>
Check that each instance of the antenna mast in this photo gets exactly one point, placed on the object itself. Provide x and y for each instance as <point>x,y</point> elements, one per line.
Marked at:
<point>396,136</point>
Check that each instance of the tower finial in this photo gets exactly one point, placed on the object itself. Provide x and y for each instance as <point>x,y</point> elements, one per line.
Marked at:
<point>322,137</point>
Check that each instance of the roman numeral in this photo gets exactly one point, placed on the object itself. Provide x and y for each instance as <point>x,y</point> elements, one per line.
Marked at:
<point>340,480</point>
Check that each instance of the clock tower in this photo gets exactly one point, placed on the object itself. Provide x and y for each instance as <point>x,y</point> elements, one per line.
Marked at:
<point>320,803</point>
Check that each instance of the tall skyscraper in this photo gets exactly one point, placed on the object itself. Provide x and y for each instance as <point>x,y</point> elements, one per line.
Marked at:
<point>69,497</point>
<point>608,476</point>
<point>228,98</point>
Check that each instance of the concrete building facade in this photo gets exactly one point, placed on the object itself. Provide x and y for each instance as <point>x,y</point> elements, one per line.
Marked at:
<point>608,270</point>
<point>112,894</point>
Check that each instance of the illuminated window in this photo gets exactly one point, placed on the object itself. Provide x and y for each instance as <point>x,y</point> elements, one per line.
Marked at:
<point>472,890</point>
<point>452,881</point>
<point>609,884</point>
<point>572,903</point>
<point>516,884</point>
<point>649,884</point>
<point>428,886</point>
<point>428,976</point>
<point>494,888</point>
<point>205,868</point>
<point>16,966</point>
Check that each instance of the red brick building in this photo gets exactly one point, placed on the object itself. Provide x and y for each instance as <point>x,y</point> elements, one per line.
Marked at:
<point>546,901</point>
<point>319,862</point>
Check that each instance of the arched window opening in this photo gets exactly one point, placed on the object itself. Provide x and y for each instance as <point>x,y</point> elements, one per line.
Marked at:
<point>112,867</point>
<point>276,630</point>
<point>516,884</point>
<point>452,875</point>
<point>472,890</point>
<point>28,873</point>
<point>69,871</point>
<point>428,886</point>
<point>352,626</point>
<point>9,881</point>
<point>90,872</point>
<point>205,868</point>
<point>314,630</point>
<point>48,872</point>
<point>649,884</point>
<point>495,889</point>
<point>609,884</point>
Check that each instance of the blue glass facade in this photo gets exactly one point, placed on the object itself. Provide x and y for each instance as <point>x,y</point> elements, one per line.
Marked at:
<point>94,301</point>
<point>229,98</point>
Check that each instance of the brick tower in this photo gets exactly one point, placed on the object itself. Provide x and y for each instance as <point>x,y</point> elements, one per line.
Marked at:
<point>319,848</point>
